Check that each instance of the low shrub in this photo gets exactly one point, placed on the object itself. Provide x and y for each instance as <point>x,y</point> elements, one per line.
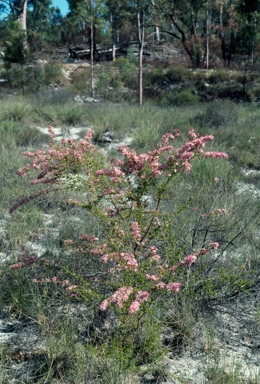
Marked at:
<point>80,80</point>
<point>155,78</point>
<point>118,187</point>
<point>254,93</point>
<point>52,97</point>
<point>218,76</point>
<point>52,73</point>
<point>181,98</point>
<point>177,74</point>
<point>29,78</point>
<point>216,114</point>
<point>127,72</point>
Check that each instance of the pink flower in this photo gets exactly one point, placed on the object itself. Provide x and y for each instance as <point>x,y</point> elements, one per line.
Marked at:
<point>134,307</point>
<point>105,258</point>
<point>103,306</point>
<point>216,155</point>
<point>216,179</point>
<point>174,287</point>
<point>51,131</point>
<point>68,242</point>
<point>152,277</point>
<point>214,245</point>
<point>142,296</point>
<point>160,285</point>
<point>121,295</point>
<point>17,265</point>
<point>71,288</point>
<point>136,232</point>
<point>189,260</point>
<point>156,257</point>
<point>130,260</point>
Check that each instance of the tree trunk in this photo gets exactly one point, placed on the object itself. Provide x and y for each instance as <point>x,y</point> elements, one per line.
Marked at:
<point>140,24</point>
<point>22,10</point>
<point>157,34</point>
<point>22,13</point>
<point>113,39</point>
<point>207,36</point>
<point>156,28</point>
<point>92,58</point>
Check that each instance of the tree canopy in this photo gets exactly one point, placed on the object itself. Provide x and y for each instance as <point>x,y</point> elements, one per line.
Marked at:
<point>200,27</point>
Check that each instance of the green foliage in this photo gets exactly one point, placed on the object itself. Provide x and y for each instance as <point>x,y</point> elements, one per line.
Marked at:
<point>254,93</point>
<point>45,98</point>
<point>217,114</point>
<point>17,112</point>
<point>52,73</point>
<point>128,72</point>
<point>177,316</point>
<point>22,78</point>
<point>15,45</point>
<point>81,80</point>
<point>218,75</point>
<point>110,85</point>
<point>32,77</point>
<point>155,78</point>
<point>22,135</point>
<point>219,373</point>
<point>71,114</point>
<point>177,74</point>
<point>180,98</point>
<point>131,56</point>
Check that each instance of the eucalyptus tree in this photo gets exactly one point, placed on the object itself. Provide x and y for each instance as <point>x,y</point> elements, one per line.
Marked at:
<point>184,20</point>
<point>16,47</point>
<point>91,14</point>
<point>32,20</point>
<point>118,15</point>
<point>17,9</point>
<point>248,34</point>
<point>44,23</point>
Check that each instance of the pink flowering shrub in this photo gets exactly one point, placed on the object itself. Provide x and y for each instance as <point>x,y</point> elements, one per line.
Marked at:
<point>127,196</point>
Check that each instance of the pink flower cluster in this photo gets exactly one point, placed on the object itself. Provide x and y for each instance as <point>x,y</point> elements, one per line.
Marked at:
<point>136,232</point>
<point>152,253</point>
<point>140,297</point>
<point>56,161</point>
<point>123,295</point>
<point>26,260</point>
<point>115,173</point>
<point>125,260</point>
<point>118,298</point>
<point>216,155</point>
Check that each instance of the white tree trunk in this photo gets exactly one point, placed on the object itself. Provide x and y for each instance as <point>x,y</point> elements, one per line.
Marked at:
<point>207,36</point>
<point>22,11</point>
<point>140,25</point>
<point>92,59</point>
